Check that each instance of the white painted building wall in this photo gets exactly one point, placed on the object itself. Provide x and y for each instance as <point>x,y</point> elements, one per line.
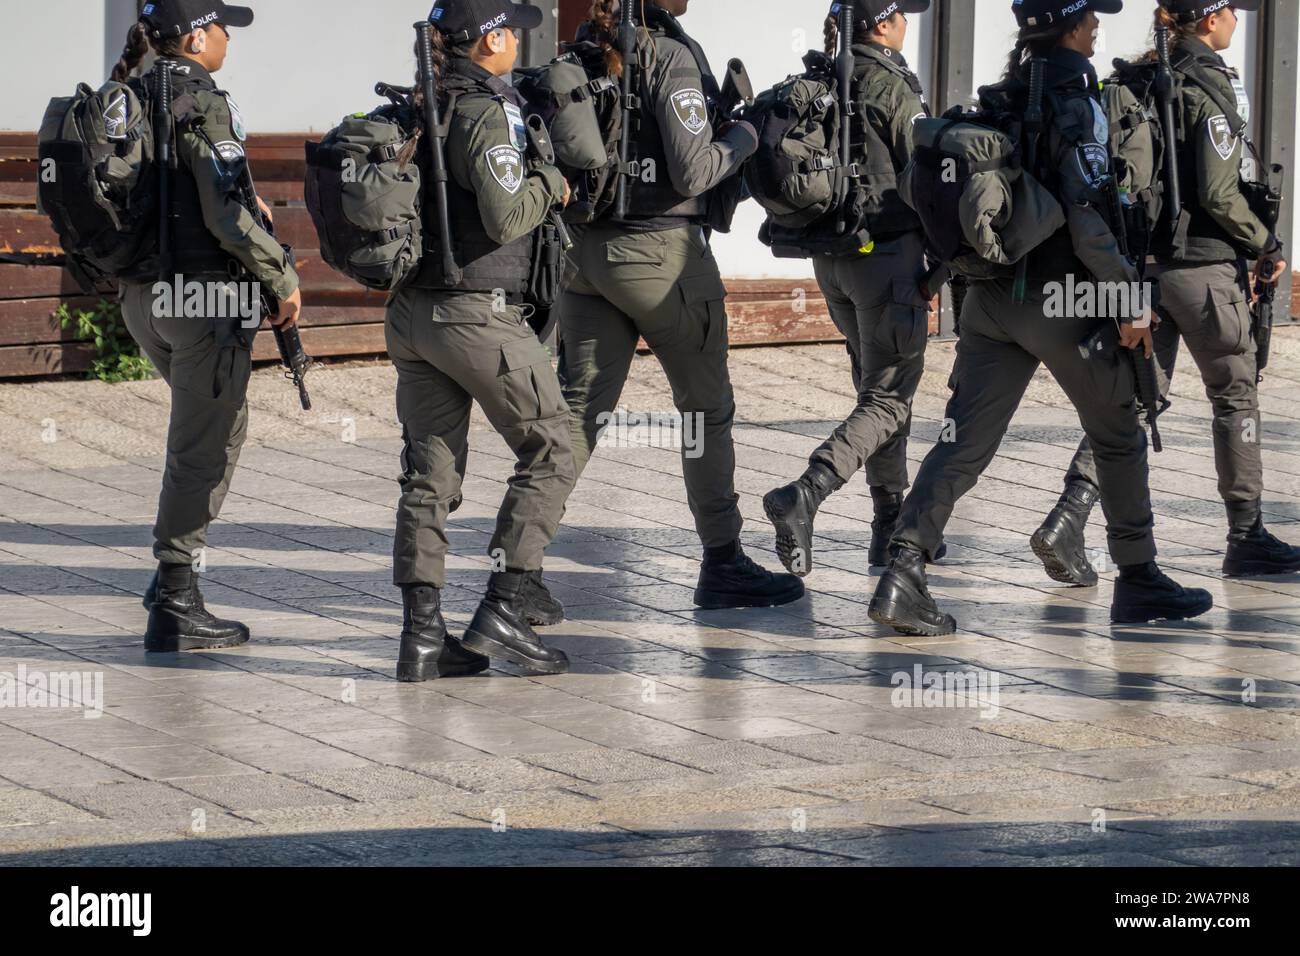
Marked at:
<point>306,63</point>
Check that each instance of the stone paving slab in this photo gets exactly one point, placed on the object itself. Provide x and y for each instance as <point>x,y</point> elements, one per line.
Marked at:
<point>681,737</point>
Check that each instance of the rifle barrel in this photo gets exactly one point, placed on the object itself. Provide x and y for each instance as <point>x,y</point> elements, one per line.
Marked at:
<point>437,153</point>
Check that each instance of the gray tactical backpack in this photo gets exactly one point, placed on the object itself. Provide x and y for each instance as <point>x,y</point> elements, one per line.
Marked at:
<point>96,181</point>
<point>364,201</point>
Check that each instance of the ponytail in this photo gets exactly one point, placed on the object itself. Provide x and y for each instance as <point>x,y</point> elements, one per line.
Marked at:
<point>1039,41</point>
<point>438,45</point>
<point>831,32</point>
<point>604,17</point>
<point>138,44</point>
<point>1177,30</point>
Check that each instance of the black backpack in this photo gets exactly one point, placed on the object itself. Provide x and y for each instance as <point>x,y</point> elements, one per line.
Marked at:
<point>97,181</point>
<point>581,105</point>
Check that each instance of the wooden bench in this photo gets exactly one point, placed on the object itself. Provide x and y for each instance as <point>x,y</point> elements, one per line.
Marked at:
<point>340,319</point>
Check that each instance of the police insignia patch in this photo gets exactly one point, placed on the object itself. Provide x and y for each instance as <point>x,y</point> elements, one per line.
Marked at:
<point>692,112</point>
<point>229,151</point>
<point>1221,138</point>
<point>506,166</point>
<point>1093,163</point>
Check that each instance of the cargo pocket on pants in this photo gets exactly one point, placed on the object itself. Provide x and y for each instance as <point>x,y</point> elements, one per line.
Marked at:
<point>522,363</point>
<point>1227,322</point>
<point>907,325</point>
<point>704,301</point>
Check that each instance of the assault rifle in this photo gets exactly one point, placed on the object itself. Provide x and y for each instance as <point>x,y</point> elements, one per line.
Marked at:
<point>631,105</point>
<point>1032,132</point>
<point>437,137</point>
<point>1146,378</point>
<point>162,137</point>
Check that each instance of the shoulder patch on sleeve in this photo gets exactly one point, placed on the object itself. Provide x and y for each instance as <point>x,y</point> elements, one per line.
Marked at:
<point>506,166</point>
<point>1221,138</point>
<point>229,151</point>
<point>691,110</point>
<point>1094,162</point>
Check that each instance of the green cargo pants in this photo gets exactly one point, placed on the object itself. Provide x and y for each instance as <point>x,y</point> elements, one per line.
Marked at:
<point>664,287</point>
<point>1206,305</point>
<point>875,301</point>
<point>207,363</point>
<point>1002,344</point>
<point>450,350</point>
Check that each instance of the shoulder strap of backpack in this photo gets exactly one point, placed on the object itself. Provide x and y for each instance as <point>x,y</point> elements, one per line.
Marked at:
<point>1203,80</point>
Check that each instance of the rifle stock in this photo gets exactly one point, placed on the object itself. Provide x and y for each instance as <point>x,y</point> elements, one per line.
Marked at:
<point>737,91</point>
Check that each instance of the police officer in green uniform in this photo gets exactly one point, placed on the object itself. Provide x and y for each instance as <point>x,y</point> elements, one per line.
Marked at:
<point>1004,339</point>
<point>205,360</point>
<point>1203,299</point>
<point>876,296</point>
<point>653,276</point>
<point>464,338</point>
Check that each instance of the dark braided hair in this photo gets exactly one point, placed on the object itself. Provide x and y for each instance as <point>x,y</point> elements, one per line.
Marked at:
<point>138,44</point>
<point>1040,41</point>
<point>603,20</point>
<point>831,31</point>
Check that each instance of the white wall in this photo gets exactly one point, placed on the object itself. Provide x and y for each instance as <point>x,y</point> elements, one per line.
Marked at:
<point>291,72</point>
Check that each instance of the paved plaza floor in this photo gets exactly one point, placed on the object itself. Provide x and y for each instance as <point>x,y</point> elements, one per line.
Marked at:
<point>681,737</point>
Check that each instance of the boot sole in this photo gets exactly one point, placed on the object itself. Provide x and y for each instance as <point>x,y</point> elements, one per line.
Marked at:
<point>720,600</point>
<point>545,620</point>
<point>412,672</point>
<point>482,644</point>
<point>886,608</point>
<point>788,529</point>
<point>171,645</point>
<point>1151,614</point>
<point>1055,567</point>
<point>887,613</point>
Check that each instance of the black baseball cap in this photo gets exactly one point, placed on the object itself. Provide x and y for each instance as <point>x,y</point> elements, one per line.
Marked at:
<point>471,19</point>
<point>176,18</point>
<point>1044,13</point>
<point>1191,11</point>
<point>878,11</point>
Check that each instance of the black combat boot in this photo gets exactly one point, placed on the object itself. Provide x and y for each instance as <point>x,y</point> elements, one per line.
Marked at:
<point>728,578</point>
<point>791,510</point>
<point>1059,543</point>
<point>1145,593</point>
<point>427,651</point>
<point>500,629</point>
<point>540,606</point>
<point>1252,551</point>
<point>886,506</point>
<point>902,599</point>
<point>178,621</point>
<point>151,592</point>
